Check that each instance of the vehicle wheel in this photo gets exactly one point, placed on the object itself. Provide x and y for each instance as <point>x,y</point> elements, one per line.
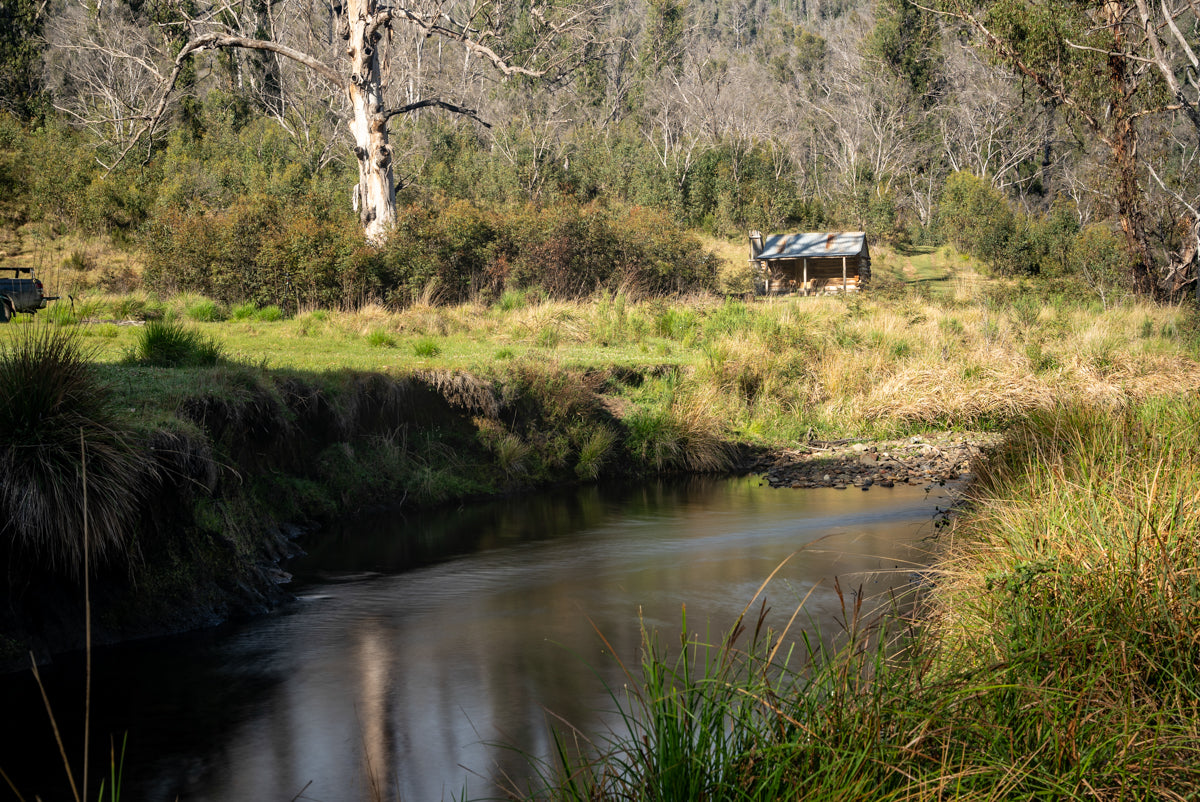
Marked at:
<point>6,312</point>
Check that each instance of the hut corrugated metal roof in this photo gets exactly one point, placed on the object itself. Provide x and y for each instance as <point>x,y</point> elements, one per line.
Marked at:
<point>800,246</point>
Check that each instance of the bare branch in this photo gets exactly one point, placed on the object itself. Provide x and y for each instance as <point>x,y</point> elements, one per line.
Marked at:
<point>436,103</point>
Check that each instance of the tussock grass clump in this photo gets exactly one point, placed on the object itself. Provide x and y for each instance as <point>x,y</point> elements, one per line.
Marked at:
<point>269,314</point>
<point>594,451</point>
<point>204,310</point>
<point>136,307</point>
<point>378,338</point>
<point>167,344</point>
<point>243,311</point>
<point>510,451</point>
<point>68,311</point>
<point>426,347</point>
<point>59,424</point>
<point>1086,511</point>
<point>682,434</point>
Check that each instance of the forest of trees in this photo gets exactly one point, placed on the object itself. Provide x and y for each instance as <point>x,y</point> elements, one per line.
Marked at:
<point>245,146</point>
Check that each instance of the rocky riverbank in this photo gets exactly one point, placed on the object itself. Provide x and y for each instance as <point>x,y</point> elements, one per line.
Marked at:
<point>842,464</point>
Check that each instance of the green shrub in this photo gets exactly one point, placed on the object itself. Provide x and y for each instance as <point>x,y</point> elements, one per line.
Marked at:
<point>572,250</point>
<point>1099,258</point>
<point>204,310</point>
<point>61,427</point>
<point>269,314</point>
<point>168,344</point>
<point>977,218</point>
<point>261,249</point>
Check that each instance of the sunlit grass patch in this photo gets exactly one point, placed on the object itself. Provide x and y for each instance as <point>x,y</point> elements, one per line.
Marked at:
<point>378,338</point>
<point>168,344</point>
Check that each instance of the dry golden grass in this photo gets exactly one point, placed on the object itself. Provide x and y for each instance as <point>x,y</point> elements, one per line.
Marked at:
<point>734,274</point>
<point>72,264</point>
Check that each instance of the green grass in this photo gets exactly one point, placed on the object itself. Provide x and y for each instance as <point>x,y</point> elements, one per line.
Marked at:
<point>771,369</point>
<point>427,348</point>
<point>204,310</point>
<point>381,339</point>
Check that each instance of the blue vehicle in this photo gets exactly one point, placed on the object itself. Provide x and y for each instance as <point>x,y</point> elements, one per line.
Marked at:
<point>21,294</point>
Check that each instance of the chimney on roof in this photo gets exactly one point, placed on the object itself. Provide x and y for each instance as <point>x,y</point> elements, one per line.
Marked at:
<point>829,240</point>
<point>756,243</point>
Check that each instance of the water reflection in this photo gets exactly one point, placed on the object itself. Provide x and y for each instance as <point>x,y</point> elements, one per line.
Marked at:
<point>424,648</point>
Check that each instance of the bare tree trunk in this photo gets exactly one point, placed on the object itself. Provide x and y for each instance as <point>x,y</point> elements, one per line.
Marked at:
<point>1124,144</point>
<point>369,123</point>
<point>1129,206</point>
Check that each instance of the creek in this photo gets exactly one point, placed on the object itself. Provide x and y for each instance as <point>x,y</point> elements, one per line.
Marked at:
<point>427,654</point>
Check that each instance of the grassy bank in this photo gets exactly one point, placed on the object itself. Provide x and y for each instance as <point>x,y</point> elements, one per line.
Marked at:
<point>1056,656</point>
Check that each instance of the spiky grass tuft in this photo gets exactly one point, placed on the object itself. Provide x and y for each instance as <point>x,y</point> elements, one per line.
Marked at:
<point>594,451</point>
<point>59,421</point>
<point>168,344</point>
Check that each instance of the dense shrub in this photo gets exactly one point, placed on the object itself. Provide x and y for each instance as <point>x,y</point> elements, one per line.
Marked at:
<point>571,250</point>
<point>268,252</point>
<point>1097,256</point>
<point>976,217</point>
<point>261,250</point>
<point>442,247</point>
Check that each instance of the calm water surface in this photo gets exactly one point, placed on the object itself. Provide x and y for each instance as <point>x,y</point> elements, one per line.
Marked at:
<point>427,653</point>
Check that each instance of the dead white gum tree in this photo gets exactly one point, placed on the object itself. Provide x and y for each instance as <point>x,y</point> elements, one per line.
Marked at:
<point>551,39</point>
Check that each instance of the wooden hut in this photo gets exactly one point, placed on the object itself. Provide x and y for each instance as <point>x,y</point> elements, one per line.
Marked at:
<point>811,263</point>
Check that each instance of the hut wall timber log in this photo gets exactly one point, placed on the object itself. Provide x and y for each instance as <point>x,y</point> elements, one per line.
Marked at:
<point>811,263</point>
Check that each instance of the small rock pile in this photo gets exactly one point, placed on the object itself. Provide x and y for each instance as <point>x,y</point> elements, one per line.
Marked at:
<point>920,460</point>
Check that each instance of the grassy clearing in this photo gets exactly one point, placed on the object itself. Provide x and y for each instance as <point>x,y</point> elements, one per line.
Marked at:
<point>1057,657</point>
<point>976,355</point>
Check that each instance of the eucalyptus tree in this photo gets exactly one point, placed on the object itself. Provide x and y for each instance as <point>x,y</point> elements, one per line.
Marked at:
<point>990,129</point>
<point>348,48</point>
<point>21,23</point>
<point>1111,65</point>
